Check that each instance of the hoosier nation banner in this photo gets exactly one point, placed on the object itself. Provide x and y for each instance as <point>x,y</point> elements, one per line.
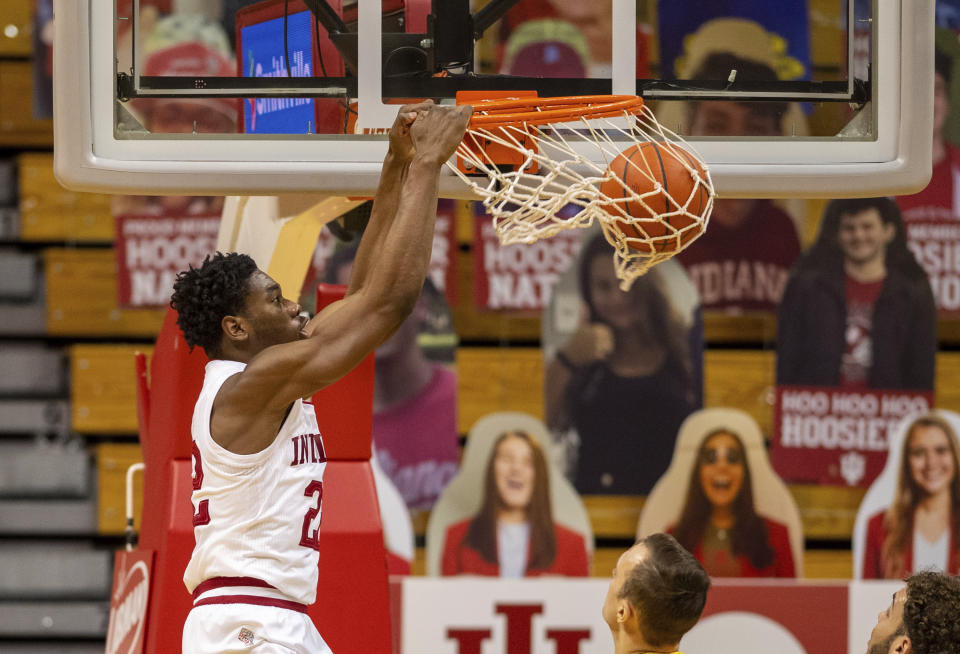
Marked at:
<point>936,245</point>
<point>151,250</point>
<point>443,256</point>
<point>518,277</point>
<point>837,436</point>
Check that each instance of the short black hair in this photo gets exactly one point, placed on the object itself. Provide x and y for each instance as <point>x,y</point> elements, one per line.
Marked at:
<point>203,296</point>
<point>668,588</point>
<point>930,614</point>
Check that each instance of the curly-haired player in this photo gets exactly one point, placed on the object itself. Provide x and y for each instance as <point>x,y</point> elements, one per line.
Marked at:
<point>921,618</point>
<point>258,458</point>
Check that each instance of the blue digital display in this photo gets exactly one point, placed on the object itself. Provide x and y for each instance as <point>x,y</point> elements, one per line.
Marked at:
<point>263,56</point>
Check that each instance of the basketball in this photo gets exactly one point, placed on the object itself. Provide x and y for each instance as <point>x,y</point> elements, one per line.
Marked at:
<point>678,203</point>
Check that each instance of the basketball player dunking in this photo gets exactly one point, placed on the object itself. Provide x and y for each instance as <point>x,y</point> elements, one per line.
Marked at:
<point>257,455</point>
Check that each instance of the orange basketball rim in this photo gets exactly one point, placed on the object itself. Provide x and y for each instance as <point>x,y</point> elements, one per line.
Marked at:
<point>534,163</point>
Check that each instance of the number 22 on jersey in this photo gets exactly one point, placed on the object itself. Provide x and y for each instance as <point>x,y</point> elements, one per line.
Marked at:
<point>310,536</point>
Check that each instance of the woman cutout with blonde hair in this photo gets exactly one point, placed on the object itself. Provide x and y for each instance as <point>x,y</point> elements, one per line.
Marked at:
<point>921,528</point>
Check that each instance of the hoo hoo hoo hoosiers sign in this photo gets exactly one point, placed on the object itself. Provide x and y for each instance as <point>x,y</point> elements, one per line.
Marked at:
<point>836,436</point>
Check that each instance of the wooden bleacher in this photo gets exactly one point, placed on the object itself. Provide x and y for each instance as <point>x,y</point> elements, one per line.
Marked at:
<point>18,127</point>
<point>103,396</point>
<point>112,460</point>
<point>82,297</point>
<point>49,212</point>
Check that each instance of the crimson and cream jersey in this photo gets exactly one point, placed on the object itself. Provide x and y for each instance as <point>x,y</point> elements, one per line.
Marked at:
<point>256,516</point>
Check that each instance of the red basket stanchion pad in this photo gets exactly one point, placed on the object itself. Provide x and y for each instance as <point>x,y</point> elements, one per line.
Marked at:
<point>352,611</point>
<point>345,409</point>
<point>176,376</point>
<point>353,563</point>
<point>169,600</point>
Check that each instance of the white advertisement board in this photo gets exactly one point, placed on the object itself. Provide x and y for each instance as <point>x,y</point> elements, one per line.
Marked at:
<point>562,616</point>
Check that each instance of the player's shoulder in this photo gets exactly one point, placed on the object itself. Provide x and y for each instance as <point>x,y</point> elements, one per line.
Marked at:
<point>216,374</point>
<point>221,369</point>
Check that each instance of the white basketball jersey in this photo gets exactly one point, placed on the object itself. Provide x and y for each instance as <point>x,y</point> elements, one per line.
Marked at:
<point>257,515</point>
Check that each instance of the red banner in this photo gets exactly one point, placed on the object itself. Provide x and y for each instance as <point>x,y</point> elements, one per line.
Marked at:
<point>518,277</point>
<point>837,436</point>
<point>936,244</point>
<point>151,250</point>
<point>128,602</point>
<point>443,257</point>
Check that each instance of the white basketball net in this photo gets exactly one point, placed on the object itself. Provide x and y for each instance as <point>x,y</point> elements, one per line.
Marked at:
<point>527,206</point>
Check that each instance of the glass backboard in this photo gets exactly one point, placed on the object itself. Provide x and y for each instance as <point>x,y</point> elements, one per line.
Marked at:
<point>815,98</point>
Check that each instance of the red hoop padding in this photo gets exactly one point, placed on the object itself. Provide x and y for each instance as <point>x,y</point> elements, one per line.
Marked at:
<point>537,111</point>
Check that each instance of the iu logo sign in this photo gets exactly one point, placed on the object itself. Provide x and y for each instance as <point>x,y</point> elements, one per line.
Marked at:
<point>458,615</point>
<point>128,602</point>
<point>519,626</point>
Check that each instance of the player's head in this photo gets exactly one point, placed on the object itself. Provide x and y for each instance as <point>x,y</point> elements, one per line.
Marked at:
<point>232,309</point>
<point>726,118</point>
<point>921,618</point>
<point>657,593</point>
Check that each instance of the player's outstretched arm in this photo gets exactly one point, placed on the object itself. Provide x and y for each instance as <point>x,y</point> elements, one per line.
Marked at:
<point>393,274</point>
<point>387,200</point>
<point>339,337</point>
